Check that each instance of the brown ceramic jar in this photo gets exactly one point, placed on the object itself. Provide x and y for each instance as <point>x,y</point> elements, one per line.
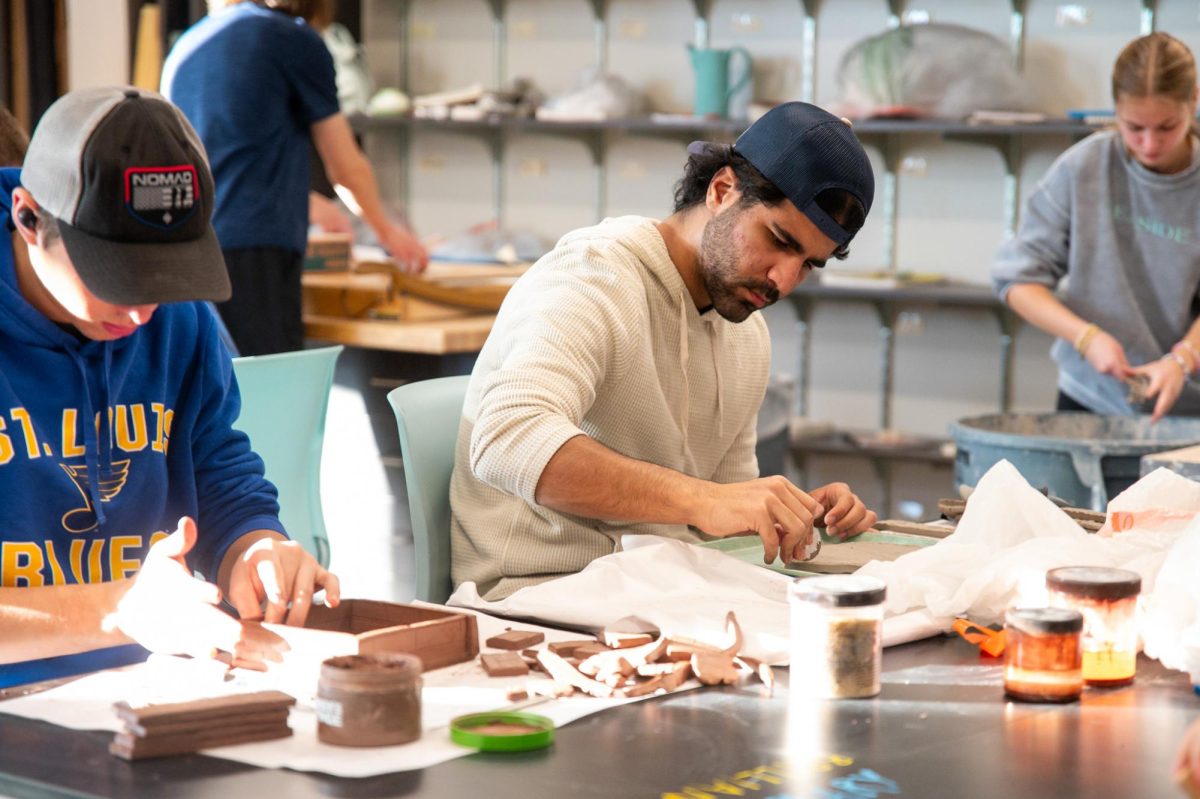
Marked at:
<point>369,700</point>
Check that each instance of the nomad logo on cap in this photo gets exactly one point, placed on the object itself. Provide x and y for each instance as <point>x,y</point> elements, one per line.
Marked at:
<point>162,196</point>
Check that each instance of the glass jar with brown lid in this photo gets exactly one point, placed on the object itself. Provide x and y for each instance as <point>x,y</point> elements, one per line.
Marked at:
<point>1043,658</point>
<point>1107,599</point>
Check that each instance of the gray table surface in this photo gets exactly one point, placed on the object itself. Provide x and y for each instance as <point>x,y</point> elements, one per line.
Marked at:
<point>940,728</point>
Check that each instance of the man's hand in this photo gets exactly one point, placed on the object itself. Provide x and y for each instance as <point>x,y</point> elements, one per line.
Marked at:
<point>769,507</point>
<point>1107,356</point>
<point>1166,383</point>
<point>1187,761</point>
<point>169,611</point>
<point>282,574</point>
<point>846,515</point>
<point>404,247</point>
<point>325,214</point>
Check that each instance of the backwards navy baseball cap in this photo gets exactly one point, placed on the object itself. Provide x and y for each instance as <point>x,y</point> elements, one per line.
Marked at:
<point>804,150</point>
<point>128,181</point>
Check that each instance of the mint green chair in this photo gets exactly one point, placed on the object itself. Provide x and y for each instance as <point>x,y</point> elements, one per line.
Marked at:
<point>428,413</point>
<point>284,401</point>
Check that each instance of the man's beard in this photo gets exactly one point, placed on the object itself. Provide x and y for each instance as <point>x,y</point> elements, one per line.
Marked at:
<point>718,266</point>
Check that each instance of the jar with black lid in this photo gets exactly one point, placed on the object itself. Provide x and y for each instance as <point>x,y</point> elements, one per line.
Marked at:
<point>836,636</point>
<point>1043,659</point>
<point>1107,598</point>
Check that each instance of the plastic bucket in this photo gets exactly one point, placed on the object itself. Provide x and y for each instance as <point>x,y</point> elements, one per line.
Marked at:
<point>1083,458</point>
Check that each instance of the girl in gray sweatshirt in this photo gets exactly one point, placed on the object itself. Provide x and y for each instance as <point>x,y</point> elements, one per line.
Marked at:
<point>1114,228</point>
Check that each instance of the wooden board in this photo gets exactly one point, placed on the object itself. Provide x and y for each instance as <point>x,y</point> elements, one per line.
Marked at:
<point>1089,520</point>
<point>434,337</point>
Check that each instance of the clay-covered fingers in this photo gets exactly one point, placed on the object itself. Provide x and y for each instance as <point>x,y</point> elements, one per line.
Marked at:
<point>847,515</point>
<point>310,578</point>
<point>257,647</point>
<point>275,580</point>
<point>1107,356</point>
<point>1167,378</point>
<point>796,519</point>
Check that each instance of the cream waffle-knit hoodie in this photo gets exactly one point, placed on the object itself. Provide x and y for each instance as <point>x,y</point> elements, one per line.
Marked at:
<point>600,338</point>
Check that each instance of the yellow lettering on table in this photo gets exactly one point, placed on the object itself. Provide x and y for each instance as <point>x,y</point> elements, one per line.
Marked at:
<point>77,546</point>
<point>120,566</point>
<point>56,572</point>
<point>70,447</point>
<point>95,553</point>
<point>723,788</point>
<point>21,416</point>
<point>137,441</point>
<point>21,564</point>
<point>6,448</point>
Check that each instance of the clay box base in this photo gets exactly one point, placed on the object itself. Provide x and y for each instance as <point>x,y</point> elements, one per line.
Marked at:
<point>366,627</point>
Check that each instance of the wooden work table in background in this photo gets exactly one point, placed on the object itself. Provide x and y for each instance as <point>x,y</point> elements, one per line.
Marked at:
<point>448,310</point>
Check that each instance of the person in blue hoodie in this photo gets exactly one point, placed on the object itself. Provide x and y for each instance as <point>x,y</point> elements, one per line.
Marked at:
<point>121,476</point>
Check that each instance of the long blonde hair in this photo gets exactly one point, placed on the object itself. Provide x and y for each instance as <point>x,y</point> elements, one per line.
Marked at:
<point>1155,65</point>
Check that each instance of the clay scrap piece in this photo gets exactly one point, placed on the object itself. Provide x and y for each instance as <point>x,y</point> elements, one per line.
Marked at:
<point>626,640</point>
<point>714,669</point>
<point>568,649</point>
<point>515,639</point>
<point>504,664</point>
<point>182,727</point>
<point>562,671</point>
<point>758,668</point>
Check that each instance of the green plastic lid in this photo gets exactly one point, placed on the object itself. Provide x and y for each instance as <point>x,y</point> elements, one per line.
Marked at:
<point>502,732</point>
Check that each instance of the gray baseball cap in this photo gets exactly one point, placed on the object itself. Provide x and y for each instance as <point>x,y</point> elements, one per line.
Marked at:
<point>127,179</point>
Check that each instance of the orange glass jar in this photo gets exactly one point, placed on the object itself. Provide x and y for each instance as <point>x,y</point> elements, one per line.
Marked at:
<point>1043,658</point>
<point>1107,598</point>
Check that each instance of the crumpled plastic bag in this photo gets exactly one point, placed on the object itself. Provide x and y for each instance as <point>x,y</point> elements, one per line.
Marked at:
<point>998,556</point>
<point>598,96</point>
<point>931,70</point>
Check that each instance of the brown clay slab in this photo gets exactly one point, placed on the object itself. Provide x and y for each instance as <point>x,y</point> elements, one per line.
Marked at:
<point>504,664</point>
<point>515,639</point>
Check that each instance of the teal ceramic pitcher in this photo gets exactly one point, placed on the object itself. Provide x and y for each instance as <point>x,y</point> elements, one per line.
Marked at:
<point>714,84</point>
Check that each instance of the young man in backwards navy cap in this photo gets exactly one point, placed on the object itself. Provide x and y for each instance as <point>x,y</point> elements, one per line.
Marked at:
<point>620,387</point>
<point>120,472</point>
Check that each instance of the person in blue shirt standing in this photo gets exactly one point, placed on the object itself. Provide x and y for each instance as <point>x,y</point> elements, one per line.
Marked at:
<point>257,83</point>
<point>120,472</point>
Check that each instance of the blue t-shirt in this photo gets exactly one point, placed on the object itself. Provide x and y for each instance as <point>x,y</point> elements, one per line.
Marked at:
<point>252,82</point>
<point>104,445</point>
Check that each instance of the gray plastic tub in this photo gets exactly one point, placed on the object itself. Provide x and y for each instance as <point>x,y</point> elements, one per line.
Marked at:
<point>1083,458</point>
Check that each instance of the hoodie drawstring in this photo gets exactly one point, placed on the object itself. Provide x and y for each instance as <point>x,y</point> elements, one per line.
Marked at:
<point>97,445</point>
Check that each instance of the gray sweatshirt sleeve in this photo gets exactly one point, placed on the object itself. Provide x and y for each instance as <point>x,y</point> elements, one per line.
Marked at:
<point>1038,252</point>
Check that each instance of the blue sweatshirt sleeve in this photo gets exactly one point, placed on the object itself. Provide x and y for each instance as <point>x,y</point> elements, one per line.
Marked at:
<point>233,494</point>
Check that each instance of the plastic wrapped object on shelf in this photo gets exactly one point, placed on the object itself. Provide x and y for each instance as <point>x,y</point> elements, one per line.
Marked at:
<point>599,96</point>
<point>931,70</point>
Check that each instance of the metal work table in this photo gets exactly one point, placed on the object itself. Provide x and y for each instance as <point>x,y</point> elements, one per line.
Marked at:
<point>941,728</point>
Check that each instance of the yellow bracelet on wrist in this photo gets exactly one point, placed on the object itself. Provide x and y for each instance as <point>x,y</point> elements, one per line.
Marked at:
<point>1085,337</point>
